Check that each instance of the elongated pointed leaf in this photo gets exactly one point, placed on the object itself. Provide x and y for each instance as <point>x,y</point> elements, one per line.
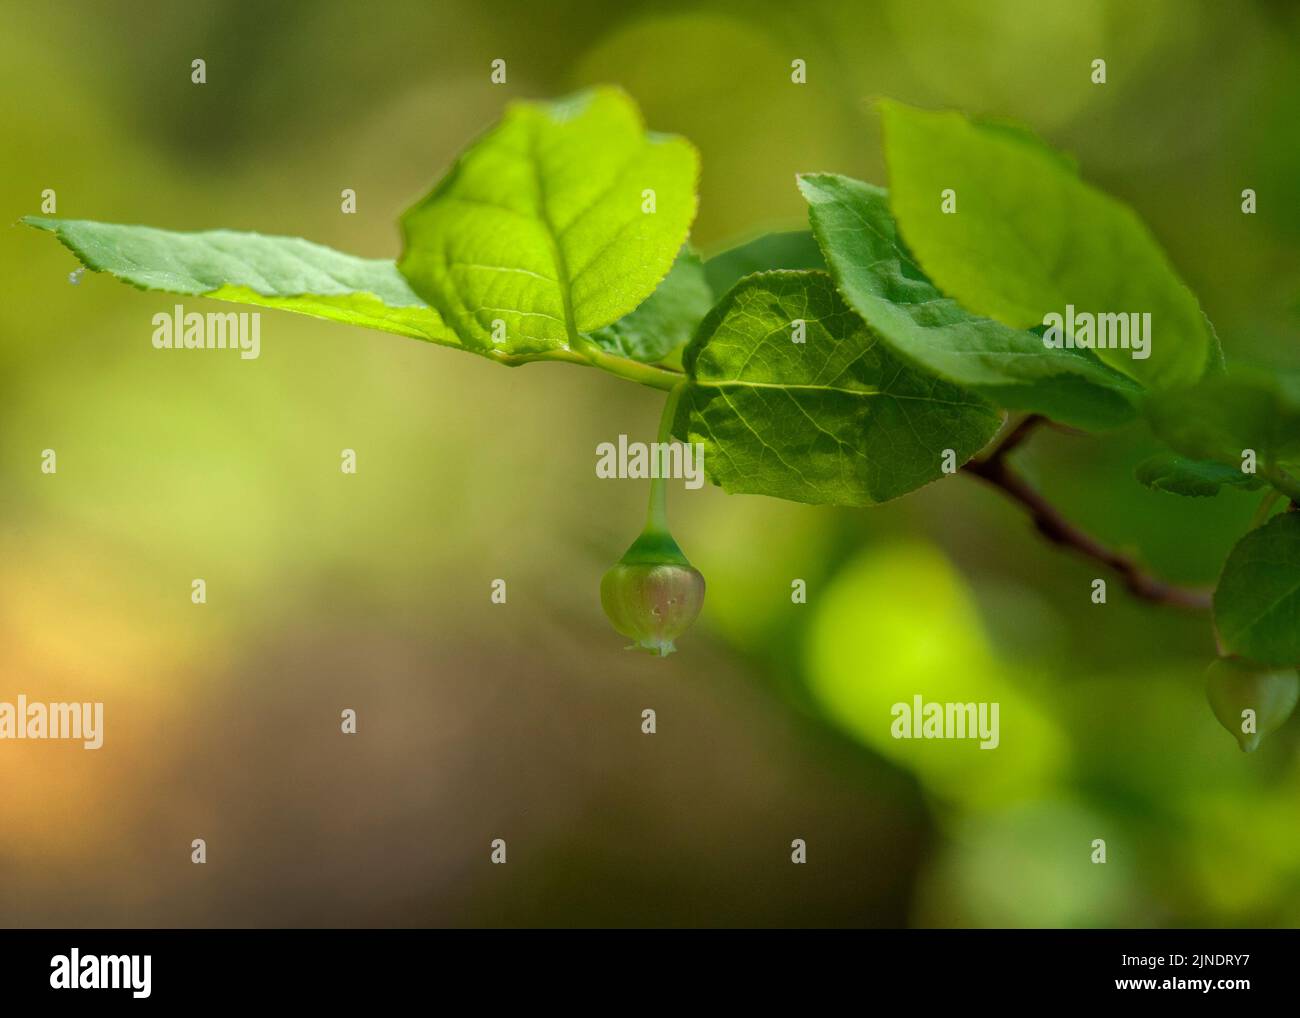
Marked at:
<point>1028,237</point>
<point>1179,475</point>
<point>1257,603</point>
<point>1012,367</point>
<point>835,419</point>
<point>248,268</point>
<point>556,223</point>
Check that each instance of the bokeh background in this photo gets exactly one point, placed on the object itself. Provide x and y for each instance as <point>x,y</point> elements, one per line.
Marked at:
<point>522,721</point>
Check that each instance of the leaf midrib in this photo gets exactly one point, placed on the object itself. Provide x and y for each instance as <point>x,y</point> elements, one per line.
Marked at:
<point>553,240</point>
<point>833,389</point>
<point>737,383</point>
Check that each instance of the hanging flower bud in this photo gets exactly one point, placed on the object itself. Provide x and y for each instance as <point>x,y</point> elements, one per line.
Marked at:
<point>1249,700</point>
<point>652,594</point>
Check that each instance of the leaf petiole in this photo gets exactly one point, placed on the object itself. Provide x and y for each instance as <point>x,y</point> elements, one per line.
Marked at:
<point>1265,507</point>
<point>634,371</point>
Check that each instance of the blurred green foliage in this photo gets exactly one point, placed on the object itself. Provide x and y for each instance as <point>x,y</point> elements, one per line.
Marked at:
<point>522,720</point>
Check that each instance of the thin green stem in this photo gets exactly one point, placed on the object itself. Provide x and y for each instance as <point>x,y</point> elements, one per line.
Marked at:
<point>1265,507</point>
<point>634,371</point>
<point>657,513</point>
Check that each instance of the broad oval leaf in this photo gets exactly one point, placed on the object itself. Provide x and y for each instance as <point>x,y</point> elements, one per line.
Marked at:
<point>559,221</point>
<point>666,319</point>
<point>1012,367</point>
<point>1029,237</point>
<point>248,268</point>
<point>1257,603</point>
<point>835,419</point>
<point>1179,475</point>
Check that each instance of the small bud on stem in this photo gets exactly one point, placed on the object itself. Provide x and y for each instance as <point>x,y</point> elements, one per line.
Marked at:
<point>653,594</point>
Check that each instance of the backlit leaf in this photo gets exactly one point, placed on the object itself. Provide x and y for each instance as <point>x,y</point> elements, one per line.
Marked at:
<point>248,268</point>
<point>556,223</point>
<point>836,418</point>
<point>1029,237</point>
<point>1011,367</point>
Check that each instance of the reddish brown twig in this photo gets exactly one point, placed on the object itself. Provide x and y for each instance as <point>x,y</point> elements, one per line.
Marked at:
<point>1049,521</point>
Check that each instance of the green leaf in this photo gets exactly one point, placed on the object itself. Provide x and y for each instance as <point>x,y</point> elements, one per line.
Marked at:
<point>1257,604</point>
<point>1015,131</point>
<point>666,320</point>
<point>882,283</point>
<point>1198,478</point>
<point>248,268</point>
<point>796,249</point>
<point>540,224</point>
<point>836,419</point>
<point>1029,237</point>
<point>1224,415</point>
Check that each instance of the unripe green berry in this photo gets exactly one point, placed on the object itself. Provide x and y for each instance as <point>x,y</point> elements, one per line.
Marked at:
<point>1235,686</point>
<point>652,594</point>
